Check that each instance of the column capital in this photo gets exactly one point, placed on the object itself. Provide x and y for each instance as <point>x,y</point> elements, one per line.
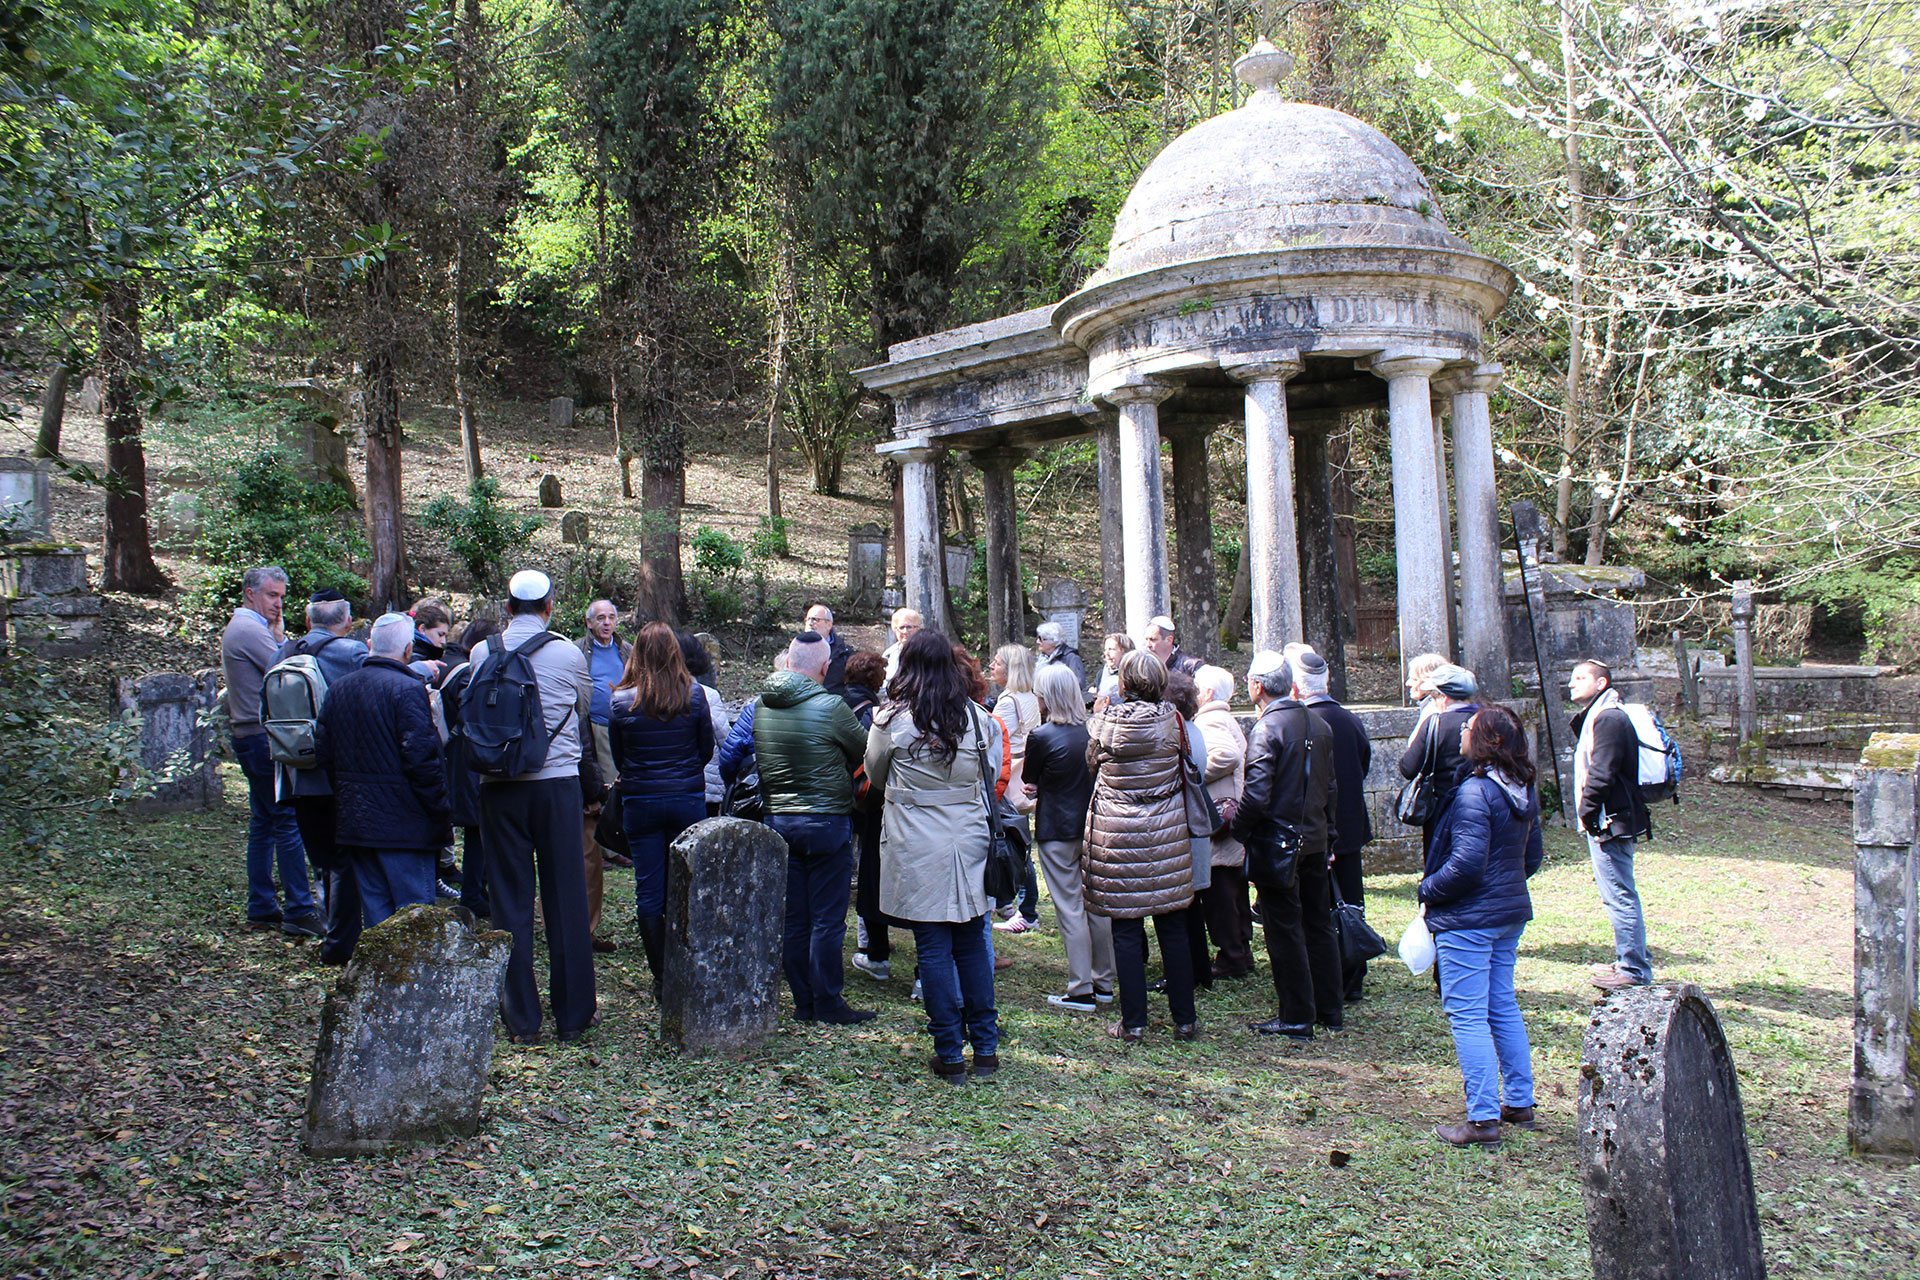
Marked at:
<point>911,449</point>
<point>1136,390</point>
<point>1390,366</point>
<point>1481,379</point>
<point>999,457</point>
<point>1266,366</point>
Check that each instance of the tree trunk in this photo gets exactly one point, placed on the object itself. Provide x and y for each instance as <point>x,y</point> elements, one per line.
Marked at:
<point>53,412</point>
<point>1346,554</point>
<point>777,382</point>
<point>129,544</point>
<point>386,579</point>
<point>663,591</point>
<point>1572,424</point>
<point>457,354</point>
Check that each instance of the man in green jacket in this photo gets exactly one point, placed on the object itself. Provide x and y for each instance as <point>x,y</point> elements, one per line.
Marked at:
<point>808,743</point>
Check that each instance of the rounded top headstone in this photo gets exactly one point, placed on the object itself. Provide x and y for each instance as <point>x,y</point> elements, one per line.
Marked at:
<point>1273,174</point>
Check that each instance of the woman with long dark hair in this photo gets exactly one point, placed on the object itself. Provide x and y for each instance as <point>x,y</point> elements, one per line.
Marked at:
<point>662,735</point>
<point>927,748</point>
<point>1474,892</point>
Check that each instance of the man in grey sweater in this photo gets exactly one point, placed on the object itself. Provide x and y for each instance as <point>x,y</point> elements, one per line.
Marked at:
<point>530,827</point>
<point>247,648</point>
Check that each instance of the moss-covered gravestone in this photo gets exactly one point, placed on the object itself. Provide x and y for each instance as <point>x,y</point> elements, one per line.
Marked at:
<point>1663,1143</point>
<point>407,1035</point>
<point>726,899</point>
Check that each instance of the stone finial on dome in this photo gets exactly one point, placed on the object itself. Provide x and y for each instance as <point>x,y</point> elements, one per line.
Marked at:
<point>1263,67</point>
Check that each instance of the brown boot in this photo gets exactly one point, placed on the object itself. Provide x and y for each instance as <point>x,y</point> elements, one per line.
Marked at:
<point>1485,1133</point>
<point>1518,1117</point>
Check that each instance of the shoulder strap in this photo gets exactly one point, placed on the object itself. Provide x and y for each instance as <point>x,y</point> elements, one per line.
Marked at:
<point>534,642</point>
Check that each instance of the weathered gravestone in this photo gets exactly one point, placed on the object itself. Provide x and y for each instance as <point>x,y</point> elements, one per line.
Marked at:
<point>92,393</point>
<point>1663,1143</point>
<point>176,739</point>
<point>575,528</point>
<point>726,900</point>
<point>26,497</point>
<point>1883,1108</point>
<point>1063,602</point>
<point>407,1035</point>
<point>560,412</point>
<point>550,490</point>
<point>49,612</point>
<point>959,566</point>
<point>866,566</point>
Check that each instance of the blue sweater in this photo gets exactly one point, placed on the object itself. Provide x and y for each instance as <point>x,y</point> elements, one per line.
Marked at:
<point>1485,846</point>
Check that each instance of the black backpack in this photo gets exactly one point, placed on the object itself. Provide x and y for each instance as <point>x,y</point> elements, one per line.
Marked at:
<point>500,715</point>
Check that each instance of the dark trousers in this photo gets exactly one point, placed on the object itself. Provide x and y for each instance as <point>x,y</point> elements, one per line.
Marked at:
<point>1130,966</point>
<point>1202,959</point>
<point>473,872</point>
<point>337,880</point>
<point>1230,921</point>
<point>866,894</point>
<point>391,879</point>
<point>819,882</point>
<point>1301,945</point>
<point>531,832</point>
<point>652,823</point>
<point>1353,888</point>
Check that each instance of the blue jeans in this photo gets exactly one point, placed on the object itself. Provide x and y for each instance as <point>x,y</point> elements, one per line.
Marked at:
<point>271,827</point>
<point>653,823</point>
<point>390,879</point>
<point>956,980</point>
<point>819,884</point>
<point>1613,872</point>
<point>1476,990</point>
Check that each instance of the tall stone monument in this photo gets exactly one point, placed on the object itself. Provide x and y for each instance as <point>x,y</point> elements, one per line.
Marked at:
<point>1663,1143</point>
<point>406,1037</point>
<point>866,566</point>
<point>726,901</point>
<point>26,498</point>
<point>1883,1108</point>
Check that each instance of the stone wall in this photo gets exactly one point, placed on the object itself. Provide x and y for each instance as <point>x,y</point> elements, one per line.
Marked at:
<point>1796,689</point>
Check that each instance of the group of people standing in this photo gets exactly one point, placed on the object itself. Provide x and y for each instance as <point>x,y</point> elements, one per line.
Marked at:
<point>891,777</point>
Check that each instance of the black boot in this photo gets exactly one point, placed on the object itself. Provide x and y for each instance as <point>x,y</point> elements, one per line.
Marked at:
<point>653,937</point>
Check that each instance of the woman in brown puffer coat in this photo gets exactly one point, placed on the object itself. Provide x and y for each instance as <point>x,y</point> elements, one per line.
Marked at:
<point>1138,860</point>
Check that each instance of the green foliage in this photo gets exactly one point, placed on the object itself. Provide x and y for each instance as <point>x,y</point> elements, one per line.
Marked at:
<point>266,512</point>
<point>480,531</point>
<point>582,575</point>
<point>770,540</point>
<point>55,754</point>
<point>716,555</point>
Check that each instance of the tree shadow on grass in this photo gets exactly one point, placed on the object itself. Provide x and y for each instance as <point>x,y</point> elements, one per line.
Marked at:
<point>1581,953</point>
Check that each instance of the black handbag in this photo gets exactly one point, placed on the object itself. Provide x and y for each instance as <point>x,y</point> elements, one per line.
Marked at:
<point>743,798</point>
<point>1203,817</point>
<point>610,831</point>
<point>1416,803</point>
<point>1004,868</point>
<point>1359,942</point>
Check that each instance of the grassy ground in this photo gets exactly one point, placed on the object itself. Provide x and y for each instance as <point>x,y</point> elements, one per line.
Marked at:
<point>153,1061</point>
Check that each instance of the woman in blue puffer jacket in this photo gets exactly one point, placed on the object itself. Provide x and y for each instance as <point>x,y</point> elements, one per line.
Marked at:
<point>1484,849</point>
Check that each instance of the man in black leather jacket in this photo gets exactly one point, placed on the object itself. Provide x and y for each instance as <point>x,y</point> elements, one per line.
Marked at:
<point>1286,822</point>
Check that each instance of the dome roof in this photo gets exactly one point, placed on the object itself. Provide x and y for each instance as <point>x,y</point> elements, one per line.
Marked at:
<point>1273,174</point>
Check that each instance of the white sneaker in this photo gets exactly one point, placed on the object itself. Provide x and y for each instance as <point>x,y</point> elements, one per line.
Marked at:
<point>880,971</point>
<point>860,930</point>
<point>916,989</point>
<point>1018,924</point>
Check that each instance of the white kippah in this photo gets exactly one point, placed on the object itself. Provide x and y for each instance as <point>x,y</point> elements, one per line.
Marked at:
<point>530,585</point>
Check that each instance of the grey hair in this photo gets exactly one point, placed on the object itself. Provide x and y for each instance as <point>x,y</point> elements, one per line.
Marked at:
<point>1050,631</point>
<point>1314,682</point>
<point>328,613</point>
<point>391,634</point>
<point>1278,682</point>
<point>809,658</point>
<point>1216,682</point>
<point>1061,692</point>
<point>258,576</point>
<point>822,606</point>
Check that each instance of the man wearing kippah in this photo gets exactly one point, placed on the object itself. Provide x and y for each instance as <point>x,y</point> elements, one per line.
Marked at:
<point>530,824</point>
<point>1352,756</point>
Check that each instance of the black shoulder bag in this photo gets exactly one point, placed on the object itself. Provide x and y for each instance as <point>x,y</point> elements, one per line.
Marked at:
<point>1416,802</point>
<point>1003,868</point>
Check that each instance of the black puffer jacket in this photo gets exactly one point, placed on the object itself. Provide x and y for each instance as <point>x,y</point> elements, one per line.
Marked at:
<point>377,743</point>
<point>1290,794</point>
<point>1611,806</point>
<point>1484,849</point>
<point>661,757</point>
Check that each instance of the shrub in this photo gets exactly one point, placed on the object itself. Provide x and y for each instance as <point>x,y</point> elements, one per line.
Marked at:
<point>266,512</point>
<point>715,555</point>
<point>479,531</point>
<point>770,541</point>
<point>55,754</point>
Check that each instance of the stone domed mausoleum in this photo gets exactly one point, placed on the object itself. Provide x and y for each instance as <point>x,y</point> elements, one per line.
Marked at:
<point>1277,265</point>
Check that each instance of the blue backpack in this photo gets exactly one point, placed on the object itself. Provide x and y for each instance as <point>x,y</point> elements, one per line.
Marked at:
<point>501,719</point>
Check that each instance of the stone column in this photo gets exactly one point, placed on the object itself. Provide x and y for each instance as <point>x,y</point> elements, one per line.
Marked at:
<point>1196,590</point>
<point>1483,628</point>
<point>1320,612</point>
<point>1437,408</point>
<point>1273,550</point>
<point>1419,544</point>
<point>1883,1108</point>
<point>1113,560</point>
<point>1143,517</point>
<point>920,532</point>
<point>1006,605</point>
